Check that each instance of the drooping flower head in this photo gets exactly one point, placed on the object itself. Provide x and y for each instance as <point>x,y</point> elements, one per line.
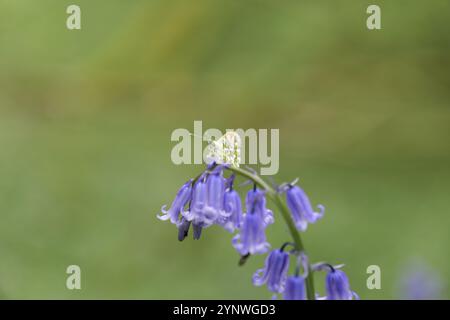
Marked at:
<point>255,202</point>
<point>196,210</point>
<point>295,284</point>
<point>295,288</point>
<point>207,204</point>
<point>181,199</point>
<point>337,286</point>
<point>274,272</point>
<point>215,190</point>
<point>232,208</point>
<point>252,237</point>
<point>301,209</point>
<point>233,211</point>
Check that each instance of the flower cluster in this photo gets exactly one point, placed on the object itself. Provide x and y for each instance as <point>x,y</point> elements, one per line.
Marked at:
<point>292,287</point>
<point>207,200</point>
<point>210,199</point>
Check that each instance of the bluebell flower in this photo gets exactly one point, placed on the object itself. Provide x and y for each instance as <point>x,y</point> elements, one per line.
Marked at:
<point>301,209</point>
<point>337,286</point>
<point>207,204</point>
<point>216,191</point>
<point>197,214</point>
<point>252,237</point>
<point>232,208</point>
<point>182,198</point>
<point>274,272</point>
<point>255,202</point>
<point>295,288</point>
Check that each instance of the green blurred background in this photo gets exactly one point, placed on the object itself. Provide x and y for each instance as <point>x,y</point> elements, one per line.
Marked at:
<point>86,118</point>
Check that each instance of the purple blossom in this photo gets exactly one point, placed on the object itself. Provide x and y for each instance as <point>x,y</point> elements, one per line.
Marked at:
<point>252,239</point>
<point>255,202</point>
<point>211,200</point>
<point>207,200</point>
<point>216,190</point>
<point>232,207</point>
<point>207,204</point>
<point>274,272</point>
<point>197,213</point>
<point>337,286</point>
<point>301,209</point>
<point>295,288</point>
<point>182,198</point>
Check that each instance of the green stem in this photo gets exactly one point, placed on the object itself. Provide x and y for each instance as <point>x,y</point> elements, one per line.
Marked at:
<point>275,197</point>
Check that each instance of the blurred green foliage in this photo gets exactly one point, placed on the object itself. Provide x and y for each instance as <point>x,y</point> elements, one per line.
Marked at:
<point>86,118</point>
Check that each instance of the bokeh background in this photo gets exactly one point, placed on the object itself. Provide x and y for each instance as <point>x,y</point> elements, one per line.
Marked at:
<point>86,118</point>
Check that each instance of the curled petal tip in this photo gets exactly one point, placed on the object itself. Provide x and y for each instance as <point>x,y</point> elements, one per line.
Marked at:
<point>258,278</point>
<point>164,217</point>
<point>321,209</point>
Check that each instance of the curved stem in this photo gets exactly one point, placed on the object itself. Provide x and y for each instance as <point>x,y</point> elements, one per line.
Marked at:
<point>275,197</point>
